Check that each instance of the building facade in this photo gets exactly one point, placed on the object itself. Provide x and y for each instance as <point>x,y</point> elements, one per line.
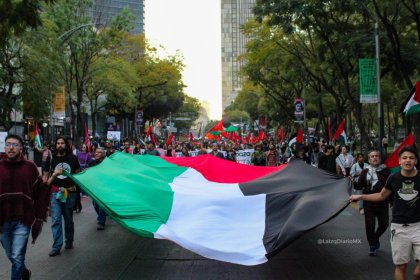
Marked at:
<point>104,10</point>
<point>234,14</point>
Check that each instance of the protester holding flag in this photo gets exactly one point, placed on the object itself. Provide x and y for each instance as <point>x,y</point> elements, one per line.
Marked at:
<point>23,204</point>
<point>84,157</point>
<point>62,187</point>
<point>405,224</point>
<point>99,157</point>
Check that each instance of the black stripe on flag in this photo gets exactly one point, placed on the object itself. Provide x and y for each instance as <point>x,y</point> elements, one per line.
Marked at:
<point>299,198</point>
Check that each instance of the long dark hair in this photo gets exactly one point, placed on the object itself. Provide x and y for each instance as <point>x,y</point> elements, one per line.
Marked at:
<point>66,141</point>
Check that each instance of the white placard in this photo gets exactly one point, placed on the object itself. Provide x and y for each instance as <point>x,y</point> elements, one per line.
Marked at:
<point>114,135</point>
<point>2,141</point>
<point>244,156</point>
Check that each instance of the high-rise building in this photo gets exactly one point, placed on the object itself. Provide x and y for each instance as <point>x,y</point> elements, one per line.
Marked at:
<point>104,10</point>
<point>234,14</point>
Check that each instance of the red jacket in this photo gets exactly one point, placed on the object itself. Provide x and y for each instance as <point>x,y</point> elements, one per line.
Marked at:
<point>23,195</point>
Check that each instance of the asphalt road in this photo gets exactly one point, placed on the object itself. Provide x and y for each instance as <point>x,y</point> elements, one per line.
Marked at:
<point>335,250</point>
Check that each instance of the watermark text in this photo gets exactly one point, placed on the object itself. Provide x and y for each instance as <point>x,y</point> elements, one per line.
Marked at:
<point>323,241</point>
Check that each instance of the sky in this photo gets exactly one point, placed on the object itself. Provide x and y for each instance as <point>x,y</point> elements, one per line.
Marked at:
<point>193,28</point>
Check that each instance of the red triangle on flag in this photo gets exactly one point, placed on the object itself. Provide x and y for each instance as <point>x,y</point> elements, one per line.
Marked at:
<point>417,93</point>
<point>393,160</point>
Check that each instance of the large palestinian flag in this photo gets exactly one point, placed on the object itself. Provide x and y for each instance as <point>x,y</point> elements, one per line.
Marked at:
<point>216,208</point>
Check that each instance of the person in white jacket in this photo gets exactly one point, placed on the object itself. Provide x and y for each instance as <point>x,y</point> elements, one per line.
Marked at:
<point>355,172</point>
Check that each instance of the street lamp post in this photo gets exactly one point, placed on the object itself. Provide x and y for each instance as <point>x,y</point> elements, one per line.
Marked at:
<point>378,87</point>
<point>378,83</point>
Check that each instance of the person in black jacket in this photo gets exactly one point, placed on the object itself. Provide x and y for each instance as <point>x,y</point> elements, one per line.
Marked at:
<point>372,180</point>
<point>327,160</point>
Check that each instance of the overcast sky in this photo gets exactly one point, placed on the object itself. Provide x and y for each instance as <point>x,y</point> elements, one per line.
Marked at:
<point>193,28</point>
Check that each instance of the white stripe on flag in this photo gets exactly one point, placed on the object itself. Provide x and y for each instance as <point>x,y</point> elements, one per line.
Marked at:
<point>216,220</point>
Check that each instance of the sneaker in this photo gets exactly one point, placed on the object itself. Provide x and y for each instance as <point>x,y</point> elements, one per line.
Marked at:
<point>54,253</point>
<point>372,251</point>
<point>69,245</point>
<point>100,227</point>
<point>26,274</point>
<point>361,211</point>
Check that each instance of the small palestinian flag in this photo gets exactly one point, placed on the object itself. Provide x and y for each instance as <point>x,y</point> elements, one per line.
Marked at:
<point>340,134</point>
<point>216,208</point>
<point>412,103</point>
<point>38,143</point>
<point>296,138</point>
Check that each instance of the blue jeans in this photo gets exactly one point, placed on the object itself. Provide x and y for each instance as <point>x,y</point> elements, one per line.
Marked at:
<point>101,213</point>
<point>59,209</point>
<point>14,239</point>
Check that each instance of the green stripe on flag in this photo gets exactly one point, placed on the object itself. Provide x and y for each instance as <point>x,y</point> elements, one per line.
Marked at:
<point>395,169</point>
<point>38,143</point>
<point>413,109</point>
<point>133,190</point>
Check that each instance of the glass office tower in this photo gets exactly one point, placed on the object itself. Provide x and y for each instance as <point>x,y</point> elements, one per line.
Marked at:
<point>104,10</point>
<point>234,14</point>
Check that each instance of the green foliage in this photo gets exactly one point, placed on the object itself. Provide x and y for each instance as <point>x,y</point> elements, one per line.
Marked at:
<point>40,75</point>
<point>158,88</point>
<point>311,48</point>
<point>190,109</point>
<point>236,116</point>
<point>28,75</point>
<point>17,16</point>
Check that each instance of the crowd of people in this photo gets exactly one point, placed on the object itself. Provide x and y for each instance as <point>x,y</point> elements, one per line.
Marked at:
<point>51,191</point>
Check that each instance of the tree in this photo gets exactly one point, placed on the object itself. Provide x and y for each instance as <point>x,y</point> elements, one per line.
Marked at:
<point>329,36</point>
<point>27,71</point>
<point>110,87</point>
<point>81,50</point>
<point>17,16</point>
<point>190,110</point>
<point>157,84</point>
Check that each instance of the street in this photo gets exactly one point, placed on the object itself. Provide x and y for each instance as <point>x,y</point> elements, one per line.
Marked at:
<point>335,250</point>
